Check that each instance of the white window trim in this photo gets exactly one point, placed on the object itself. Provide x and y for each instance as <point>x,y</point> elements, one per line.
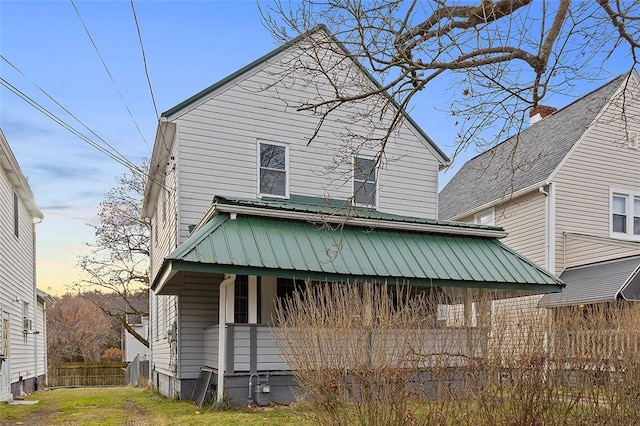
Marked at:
<point>630,195</point>
<point>484,213</point>
<point>353,182</point>
<point>286,168</point>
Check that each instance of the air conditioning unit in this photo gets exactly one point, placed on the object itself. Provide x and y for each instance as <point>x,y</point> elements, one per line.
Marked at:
<point>27,325</point>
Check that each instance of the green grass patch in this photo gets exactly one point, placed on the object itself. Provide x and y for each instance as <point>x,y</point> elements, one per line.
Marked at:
<point>138,407</point>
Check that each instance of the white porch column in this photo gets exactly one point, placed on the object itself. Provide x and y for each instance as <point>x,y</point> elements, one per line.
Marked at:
<point>226,284</point>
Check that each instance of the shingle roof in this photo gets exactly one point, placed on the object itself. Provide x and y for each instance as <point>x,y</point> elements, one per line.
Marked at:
<point>525,159</point>
<point>598,282</point>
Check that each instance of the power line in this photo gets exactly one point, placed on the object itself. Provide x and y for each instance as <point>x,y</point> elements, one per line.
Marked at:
<point>114,151</point>
<point>62,123</point>
<point>144,59</point>
<point>104,64</point>
<point>119,158</point>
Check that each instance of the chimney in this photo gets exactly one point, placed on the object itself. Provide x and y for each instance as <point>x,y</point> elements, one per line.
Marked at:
<point>539,112</point>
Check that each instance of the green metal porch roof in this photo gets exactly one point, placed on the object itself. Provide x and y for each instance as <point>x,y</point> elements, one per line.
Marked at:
<point>271,246</point>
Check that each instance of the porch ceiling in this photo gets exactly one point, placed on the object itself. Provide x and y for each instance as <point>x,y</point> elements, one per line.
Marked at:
<point>270,246</point>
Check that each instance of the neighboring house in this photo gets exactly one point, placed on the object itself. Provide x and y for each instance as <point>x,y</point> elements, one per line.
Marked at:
<point>237,199</point>
<point>567,190</point>
<point>23,360</point>
<point>131,346</point>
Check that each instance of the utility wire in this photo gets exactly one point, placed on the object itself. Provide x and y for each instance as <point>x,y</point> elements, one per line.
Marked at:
<point>116,157</point>
<point>114,151</point>
<point>144,59</point>
<point>104,64</point>
<point>146,71</point>
<point>59,121</point>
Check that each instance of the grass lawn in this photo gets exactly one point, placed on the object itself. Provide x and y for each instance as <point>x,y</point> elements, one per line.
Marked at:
<point>137,407</point>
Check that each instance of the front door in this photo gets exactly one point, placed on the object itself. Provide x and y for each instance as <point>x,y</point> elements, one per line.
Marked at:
<point>5,371</point>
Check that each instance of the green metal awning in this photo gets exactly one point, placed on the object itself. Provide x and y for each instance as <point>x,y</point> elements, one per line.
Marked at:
<point>277,246</point>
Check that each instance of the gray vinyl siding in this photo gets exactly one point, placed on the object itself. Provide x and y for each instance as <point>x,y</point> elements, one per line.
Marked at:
<point>163,356</point>
<point>600,161</point>
<point>17,281</point>
<point>163,239</point>
<point>218,152</point>
<point>198,310</point>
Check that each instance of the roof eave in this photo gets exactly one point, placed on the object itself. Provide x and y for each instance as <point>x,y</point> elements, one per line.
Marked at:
<point>508,197</point>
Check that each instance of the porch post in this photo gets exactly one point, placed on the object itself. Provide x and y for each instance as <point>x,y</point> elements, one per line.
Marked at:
<point>229,280</point>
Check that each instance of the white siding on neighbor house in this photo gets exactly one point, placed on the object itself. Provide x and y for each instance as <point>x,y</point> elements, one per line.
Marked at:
<point>198,310</point>
<point>41,339</point>
<point>27,356</point>
<point>218,152</point>
<point>600,162</point>
<point>17,282</point>
<point>523,218</point>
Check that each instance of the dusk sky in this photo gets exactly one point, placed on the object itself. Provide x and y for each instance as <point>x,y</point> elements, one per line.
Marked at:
<point>188,46</point>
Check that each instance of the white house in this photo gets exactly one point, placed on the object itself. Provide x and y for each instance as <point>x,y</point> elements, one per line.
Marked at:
<point>131,346</point>
<point>237,195</point>
<point>567,189</point>
<point>23,360</point>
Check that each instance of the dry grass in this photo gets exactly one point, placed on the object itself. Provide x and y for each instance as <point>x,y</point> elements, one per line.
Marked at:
<point>130,406</point>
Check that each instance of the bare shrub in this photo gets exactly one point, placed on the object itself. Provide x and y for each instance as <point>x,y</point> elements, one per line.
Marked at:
<point>354,348</point>
<point>378,355</point>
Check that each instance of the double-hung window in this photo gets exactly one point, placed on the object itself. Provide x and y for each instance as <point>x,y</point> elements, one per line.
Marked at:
<point>273,172</point>
<point>625,214</point>
<point>364,182</point>
<point>485,217</point>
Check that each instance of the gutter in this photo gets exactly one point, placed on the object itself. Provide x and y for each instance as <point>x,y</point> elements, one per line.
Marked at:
<point>492,203</point>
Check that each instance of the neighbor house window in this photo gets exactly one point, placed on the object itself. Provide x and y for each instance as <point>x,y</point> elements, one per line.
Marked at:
<point>273,173</point>
<point>364,181</point>
<point>485,217</point>
<point>625,214</point>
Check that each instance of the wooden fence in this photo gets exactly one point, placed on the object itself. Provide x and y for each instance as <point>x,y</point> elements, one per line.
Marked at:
<point>82,374</point>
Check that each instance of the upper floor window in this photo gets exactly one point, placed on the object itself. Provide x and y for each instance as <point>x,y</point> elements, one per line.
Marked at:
<point>485,217</point>
<point>625,214</point>
<point>274,169</point>
<point>364,181</point>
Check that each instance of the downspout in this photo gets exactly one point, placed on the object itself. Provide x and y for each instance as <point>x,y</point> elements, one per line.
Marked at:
<point>550,227</point>
<point>35,308</point>
<point>229,280</point>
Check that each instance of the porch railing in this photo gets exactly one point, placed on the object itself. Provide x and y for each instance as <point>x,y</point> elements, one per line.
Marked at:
<point>251,347</point>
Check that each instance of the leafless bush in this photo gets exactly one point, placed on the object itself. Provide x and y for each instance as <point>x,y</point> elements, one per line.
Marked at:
<point>378,355</point>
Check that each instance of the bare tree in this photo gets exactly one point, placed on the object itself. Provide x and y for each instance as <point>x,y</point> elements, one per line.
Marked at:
<point>119,260</point>
<point>499,58</point>
<point>77,330</point>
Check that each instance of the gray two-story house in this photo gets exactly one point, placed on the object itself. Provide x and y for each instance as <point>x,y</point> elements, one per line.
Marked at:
<point>245,208</point>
